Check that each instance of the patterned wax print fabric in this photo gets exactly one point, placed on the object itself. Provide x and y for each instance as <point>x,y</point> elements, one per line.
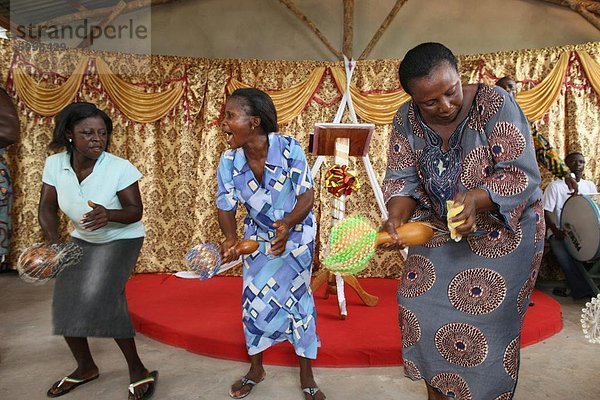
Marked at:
<point>461,304</point>
<point>277,302</point>
<point>547,155</point>
<point>6,194</point>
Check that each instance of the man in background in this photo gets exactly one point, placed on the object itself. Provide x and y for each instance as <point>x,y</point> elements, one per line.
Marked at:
<point>555,196</point>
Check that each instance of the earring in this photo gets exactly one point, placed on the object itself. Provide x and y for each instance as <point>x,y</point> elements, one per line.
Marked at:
<point>70,140</point>
<point>253,127</point>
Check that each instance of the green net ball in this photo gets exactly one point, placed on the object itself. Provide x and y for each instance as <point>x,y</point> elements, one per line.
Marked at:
<point>351,247</point>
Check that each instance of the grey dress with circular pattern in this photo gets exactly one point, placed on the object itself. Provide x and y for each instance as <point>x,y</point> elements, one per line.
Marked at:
<point>461,304</point>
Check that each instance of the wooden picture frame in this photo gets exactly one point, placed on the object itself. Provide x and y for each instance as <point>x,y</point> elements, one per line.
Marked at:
<point>322,141</point>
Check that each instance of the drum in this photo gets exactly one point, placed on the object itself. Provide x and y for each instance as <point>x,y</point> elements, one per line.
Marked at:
<point>580,220</point>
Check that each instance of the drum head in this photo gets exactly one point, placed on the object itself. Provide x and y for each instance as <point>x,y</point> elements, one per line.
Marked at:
<point>580,220</point>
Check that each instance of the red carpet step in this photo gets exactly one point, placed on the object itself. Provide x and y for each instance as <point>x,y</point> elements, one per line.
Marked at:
<point>204,317</point>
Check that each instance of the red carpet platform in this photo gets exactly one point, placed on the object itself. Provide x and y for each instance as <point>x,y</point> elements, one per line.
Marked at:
<point>204,317</point>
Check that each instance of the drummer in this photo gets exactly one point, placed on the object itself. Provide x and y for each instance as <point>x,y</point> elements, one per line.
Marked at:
<point>555,196</point>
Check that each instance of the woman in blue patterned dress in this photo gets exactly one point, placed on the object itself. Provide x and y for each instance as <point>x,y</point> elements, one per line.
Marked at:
<point>462,302</point>
<point>268,174</point>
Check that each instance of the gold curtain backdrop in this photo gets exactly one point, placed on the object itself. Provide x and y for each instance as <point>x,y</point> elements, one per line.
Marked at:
<point>378,108</point>
<point>44,100</point>
<point>166,120</point>
<point>135,101</point>
<point>289,102</point>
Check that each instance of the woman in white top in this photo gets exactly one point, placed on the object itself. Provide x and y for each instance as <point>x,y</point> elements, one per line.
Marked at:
<point>99,193</point>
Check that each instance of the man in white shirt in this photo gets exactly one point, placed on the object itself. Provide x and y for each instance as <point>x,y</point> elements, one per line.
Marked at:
<point>555,196</point>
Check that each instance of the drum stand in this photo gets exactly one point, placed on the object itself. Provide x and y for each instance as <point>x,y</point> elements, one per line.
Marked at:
<point>340,135</point>
<point>592,276</point>
<point>582,240</point>
<point>342,141</point>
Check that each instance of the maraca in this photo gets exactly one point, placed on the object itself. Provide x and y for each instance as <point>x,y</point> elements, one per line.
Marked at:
<point>205,259</point>
<point>40,262</point>
<point>354,239</point>
<point>411,234</point>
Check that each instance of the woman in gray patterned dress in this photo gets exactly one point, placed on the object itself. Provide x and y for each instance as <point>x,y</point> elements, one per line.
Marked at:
<point>9,134</point>
<point>462,302</point>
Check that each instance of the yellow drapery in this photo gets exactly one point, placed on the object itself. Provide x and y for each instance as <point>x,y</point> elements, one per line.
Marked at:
<point>133,101</point>
<point>591,68</point>
<point>179,160</point>
<point>289,102</point>
<point>536,101</point>
<point>378,108</point>
<point>48,101</point>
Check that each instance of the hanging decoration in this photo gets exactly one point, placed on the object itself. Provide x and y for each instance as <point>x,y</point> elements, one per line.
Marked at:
<point>341,180</point>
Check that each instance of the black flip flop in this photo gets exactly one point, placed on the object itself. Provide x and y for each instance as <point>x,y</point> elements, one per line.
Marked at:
<point>151,380</point>
<point>75,382</point>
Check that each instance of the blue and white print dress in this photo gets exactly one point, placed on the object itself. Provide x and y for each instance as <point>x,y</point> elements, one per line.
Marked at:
<point>462,303</point>
<point>277,302</point>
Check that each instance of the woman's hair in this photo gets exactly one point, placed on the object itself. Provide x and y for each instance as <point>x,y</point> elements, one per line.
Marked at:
<point>421,60</point>
<point>72,114</point>
<point>257,103</point>
<point>504,81</point>
<point>573,154</point>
